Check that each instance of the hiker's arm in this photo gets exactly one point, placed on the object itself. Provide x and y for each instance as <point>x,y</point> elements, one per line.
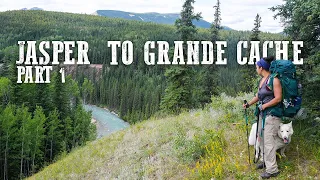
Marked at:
<point>277,90</point>
<point>254,100</point>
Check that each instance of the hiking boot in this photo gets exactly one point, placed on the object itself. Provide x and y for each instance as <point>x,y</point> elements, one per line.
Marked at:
<point>261,165</point>
<point>266,175</point>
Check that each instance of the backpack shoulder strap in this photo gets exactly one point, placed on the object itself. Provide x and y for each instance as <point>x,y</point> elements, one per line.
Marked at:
<point>271,78</point>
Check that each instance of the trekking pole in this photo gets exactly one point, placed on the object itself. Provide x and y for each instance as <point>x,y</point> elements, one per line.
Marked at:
<point>255,143</point>
<point>262,134</point>
<point>246,116</point>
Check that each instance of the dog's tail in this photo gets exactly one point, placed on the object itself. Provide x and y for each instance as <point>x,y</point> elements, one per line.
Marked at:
<point>252,137</point>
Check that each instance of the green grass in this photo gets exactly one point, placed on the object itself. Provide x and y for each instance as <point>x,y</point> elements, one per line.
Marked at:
<point>199,144</point>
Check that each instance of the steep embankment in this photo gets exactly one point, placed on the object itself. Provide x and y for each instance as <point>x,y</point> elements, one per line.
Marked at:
<point>198,144</point>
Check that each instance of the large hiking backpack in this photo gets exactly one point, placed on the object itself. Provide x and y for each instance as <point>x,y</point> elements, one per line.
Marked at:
<point>285,71</point>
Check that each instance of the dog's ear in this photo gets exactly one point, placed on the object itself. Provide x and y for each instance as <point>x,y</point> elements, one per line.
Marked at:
<point>290,123</point>
<point>280,125</point>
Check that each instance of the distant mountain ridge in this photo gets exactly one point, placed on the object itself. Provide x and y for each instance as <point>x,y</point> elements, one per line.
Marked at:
<point>168,18</point>
<point>34,8</point>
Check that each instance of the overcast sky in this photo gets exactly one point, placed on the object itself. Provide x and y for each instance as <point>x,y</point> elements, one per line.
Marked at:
<point>238,15</point>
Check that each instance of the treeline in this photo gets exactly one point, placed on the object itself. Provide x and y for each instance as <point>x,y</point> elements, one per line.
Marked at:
<point>38,122</point>
<point>135,91</point>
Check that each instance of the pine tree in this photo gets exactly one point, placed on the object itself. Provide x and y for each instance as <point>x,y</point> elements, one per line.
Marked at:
<point>38,136</point>
<point>5,89</point>
<point>248,71</point>
<point>87,89</point>
<point>256,31</point>
<point>67,142</point>
<point>25,134</point>
<point>178,94</point>
<point>208,80</point>
<point>81,126</point>
<point>7,140</point>
<point>216,25</point>
<point>44,97</point>
<point>184,24</point>
<point>54,135</point>
<point>73,92</point>
<point>60,96</point>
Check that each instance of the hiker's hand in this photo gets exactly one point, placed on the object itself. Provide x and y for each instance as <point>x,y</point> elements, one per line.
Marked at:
<point>245,106</point>
<point>261,107</point>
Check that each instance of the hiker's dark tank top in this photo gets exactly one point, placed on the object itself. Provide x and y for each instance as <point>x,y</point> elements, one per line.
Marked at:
<point>264,93</point>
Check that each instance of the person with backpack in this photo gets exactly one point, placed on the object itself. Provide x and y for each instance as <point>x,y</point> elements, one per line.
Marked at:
<point>269,107</point>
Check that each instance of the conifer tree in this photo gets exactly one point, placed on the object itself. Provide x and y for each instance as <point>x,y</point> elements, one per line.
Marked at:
<point>248,71</point>
<point>60,96</point>
<point>209,74</point>
<point>54,135</point>
<point>67,135</point>
<point>87,89</point>
<point>256,31</point>
<point>38,137</point>
<point>43,97</point>
<point>25,133</point>
<point>5,89</point>
<point>7,138</point>
<point>216,25</point>
<point>178,94</point>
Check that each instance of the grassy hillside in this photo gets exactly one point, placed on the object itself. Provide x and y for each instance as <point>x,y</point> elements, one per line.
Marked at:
<point>198,144</point>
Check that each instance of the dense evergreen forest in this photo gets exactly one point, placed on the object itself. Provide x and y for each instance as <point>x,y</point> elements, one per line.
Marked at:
<point>145,84</point>
<point>39,121</point>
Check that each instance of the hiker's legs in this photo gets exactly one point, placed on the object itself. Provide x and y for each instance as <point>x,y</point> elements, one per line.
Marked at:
<point>270,135</point>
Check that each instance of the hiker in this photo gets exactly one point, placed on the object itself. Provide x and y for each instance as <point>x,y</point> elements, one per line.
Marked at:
<point>268,100</point>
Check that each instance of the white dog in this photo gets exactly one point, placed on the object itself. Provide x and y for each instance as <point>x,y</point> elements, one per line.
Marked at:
<point>285,132</point>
